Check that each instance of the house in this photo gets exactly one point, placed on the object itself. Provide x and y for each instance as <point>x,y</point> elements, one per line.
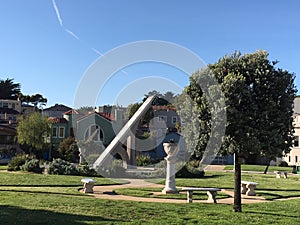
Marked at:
<point>293,157</point>
<point>8,144</point>
<point>11,104</point>
<point>57,111</point>
<point>165,117</point>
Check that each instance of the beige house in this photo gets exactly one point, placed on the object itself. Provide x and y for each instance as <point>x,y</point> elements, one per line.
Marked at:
<point>293,158</point>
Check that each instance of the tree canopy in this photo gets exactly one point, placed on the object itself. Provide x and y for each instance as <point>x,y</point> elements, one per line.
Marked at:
<point>9,89</point>
<point>33,130</point>
<point>259,106</point>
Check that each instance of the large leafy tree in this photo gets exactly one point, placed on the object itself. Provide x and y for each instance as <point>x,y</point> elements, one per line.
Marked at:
<point>34,131</point>
<point>259,106</point>
<point>9,89</point>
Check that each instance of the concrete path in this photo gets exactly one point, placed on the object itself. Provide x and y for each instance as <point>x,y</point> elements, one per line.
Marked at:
<point>107,192</point>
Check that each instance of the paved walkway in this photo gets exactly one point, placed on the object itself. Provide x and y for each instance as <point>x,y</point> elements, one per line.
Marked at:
<point>107,192</point>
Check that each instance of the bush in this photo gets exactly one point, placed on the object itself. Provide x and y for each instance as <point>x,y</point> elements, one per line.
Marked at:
<point>62,167</point>
<point>115,169</point>
<point>86,170</point>
<point>16,162</point>
<point>143,160</point>
<point>190,170</point>
<point>32,165</point>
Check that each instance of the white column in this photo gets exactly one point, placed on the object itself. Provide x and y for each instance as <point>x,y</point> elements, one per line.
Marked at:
<point>171,150</point>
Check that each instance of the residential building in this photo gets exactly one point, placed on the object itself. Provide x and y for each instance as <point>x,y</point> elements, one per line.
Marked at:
<point>11,104</point>
<point>57,111</point>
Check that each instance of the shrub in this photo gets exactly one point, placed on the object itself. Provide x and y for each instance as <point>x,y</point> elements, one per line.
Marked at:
<point>143,160</point>
<point>115,169</point>
<point>86,170</point>
<point>16,162</point>
<point>62,167</point>
<point>32,165</point>
<point>190,170</point>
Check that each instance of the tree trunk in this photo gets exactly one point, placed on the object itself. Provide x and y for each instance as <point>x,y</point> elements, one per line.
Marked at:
<point>266,169</point>
<point>237,205</point>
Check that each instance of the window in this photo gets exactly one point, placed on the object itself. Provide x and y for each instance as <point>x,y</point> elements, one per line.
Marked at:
<point>174,119</point>
<point>289,158</point>
<point>296,158</point>
<point>54,132</point>
<point>162,118</point>
<point>13,106</point>
<point>94,132</point>
<point>5,105</point>
<point>296,141</point>
<point>61,132</point>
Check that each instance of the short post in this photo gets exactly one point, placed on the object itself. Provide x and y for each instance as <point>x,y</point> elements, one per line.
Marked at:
<point>278,173</point>
<point>171,150</point>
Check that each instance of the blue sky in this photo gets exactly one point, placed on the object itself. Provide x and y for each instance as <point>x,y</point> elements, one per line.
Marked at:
<point>48,49</point>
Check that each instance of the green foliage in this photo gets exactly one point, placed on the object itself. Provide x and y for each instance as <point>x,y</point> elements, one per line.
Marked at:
<point>9,89</point>
<point>33,130</point>
<point>32,165</point>
<point>259,105</point>
<point>68,150</point>
<point>16,162</point>
<point>143,160</point>
<point>190,170</point>
<point>62,167</point>
<point>114,170</point>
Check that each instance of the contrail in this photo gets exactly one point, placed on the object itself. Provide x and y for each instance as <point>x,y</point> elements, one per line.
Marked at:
<point>72,33</point>
<point>57,13</point>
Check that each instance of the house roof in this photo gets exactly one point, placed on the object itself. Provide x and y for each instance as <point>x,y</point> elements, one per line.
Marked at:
<point>58,107</point>
<point>163,107</point>
<point>71,112</point>
<point>57,120</point>
<point>7,129</point>
<point>108,116</point>
<point>8,111</point>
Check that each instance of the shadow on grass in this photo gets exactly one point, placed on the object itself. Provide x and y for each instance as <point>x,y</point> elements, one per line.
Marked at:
<point>17,215</point>
<point>47,192</point>
<point>282,215</point>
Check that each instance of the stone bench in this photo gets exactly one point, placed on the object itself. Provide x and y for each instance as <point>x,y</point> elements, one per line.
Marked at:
<point>248,188</point>
<point>88,185</point>
<point>211,192</point>
<point>278,173</point>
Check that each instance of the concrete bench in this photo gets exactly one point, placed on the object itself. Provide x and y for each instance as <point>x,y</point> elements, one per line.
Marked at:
<point>278,173</point>
<point>88,185</point>
<point>248,188</point>
<point>211,192</point>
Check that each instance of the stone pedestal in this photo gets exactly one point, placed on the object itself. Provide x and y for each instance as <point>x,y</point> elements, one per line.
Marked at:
<point>171,150</point>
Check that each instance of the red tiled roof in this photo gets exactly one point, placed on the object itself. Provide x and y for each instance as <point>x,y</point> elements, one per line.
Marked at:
<point>71,112</point>
<point>57,120</point>
<point>108,116</point>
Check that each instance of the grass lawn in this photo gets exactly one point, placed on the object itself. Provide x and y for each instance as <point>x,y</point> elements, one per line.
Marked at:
<point>49,204</point>
<point>2,167</point>
<point>260,168</point>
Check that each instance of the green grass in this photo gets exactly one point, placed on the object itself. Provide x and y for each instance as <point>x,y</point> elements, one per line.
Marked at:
<point>269,187</point>
<point>52,201</point>
<point>260,168</point>
<point>3,167</point>
<point>156,193</point>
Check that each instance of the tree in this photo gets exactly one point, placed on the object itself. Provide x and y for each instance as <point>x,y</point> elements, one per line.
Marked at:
<point>34,131</point>
<point>37,100</point>
<point>68,150</point>
<point>9,89</point>
<point>259,105</point>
